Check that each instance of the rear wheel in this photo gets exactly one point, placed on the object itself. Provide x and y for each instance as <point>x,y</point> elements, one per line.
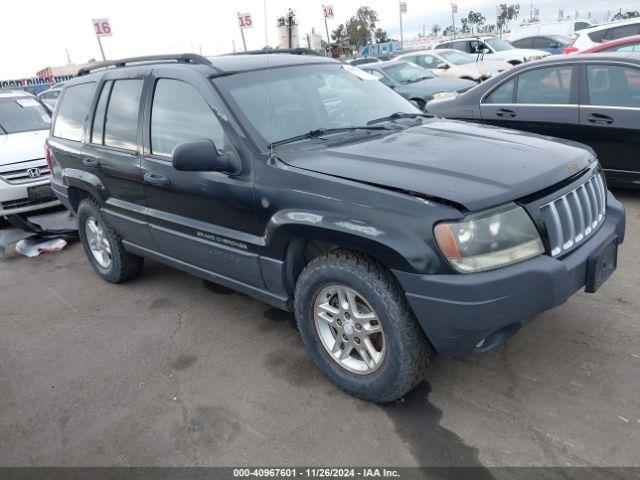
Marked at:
<point>103,246</point>
<point>356,324</point>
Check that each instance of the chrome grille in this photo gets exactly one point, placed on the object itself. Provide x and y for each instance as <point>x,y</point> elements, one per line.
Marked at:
<point>17,175</point>
<point>574,216</point>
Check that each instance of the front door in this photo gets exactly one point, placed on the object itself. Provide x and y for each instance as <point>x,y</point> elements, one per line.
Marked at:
<point>610,118</point>
<point>202,219</point>
<point>539,100</point>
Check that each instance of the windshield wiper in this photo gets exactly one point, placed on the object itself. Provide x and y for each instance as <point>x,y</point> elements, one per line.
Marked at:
<point>323,131</point>
<point>399,115</point>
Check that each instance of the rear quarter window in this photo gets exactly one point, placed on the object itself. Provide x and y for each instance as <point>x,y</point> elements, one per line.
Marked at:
<point>73,111</point>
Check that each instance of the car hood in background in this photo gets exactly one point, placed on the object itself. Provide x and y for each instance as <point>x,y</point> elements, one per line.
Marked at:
<point>489,65</point>
<point>426,88</point>
<point>519,54</point>
<point>474,165</point>
<point>23,146</point>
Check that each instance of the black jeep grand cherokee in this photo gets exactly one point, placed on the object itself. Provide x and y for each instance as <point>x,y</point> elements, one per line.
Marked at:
<point>308,185</point>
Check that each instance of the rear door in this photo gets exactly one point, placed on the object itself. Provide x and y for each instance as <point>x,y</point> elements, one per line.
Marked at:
<point>541,100</point>
<point>202,219</point>
<point>610,117</point>
<point>113,153</point>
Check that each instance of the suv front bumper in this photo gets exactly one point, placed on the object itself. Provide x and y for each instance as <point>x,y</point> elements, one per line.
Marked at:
<point>459,311</point>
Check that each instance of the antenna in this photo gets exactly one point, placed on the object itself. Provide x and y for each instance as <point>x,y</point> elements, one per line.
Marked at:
<point>269,109</point>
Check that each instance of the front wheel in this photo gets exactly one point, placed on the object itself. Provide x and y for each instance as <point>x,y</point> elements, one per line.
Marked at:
<point>356,324</point>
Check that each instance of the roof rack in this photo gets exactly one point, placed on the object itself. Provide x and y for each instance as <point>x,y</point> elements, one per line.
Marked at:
<point>290,51</point>
<point>180,58</point>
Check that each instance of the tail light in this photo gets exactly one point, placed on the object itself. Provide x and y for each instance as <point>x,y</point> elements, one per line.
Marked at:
<point>47,156</point>
<point>570,50</point>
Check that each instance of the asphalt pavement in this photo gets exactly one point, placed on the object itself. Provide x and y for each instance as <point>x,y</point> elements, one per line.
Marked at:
<point>166,370</point>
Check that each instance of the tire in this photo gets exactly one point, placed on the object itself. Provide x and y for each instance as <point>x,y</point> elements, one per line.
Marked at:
<point>406,352</point>
<point>122,265</point>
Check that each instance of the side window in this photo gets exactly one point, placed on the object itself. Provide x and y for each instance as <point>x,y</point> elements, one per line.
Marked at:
<point>465,46</point>
<point>97,132</point>
<point>610,85</point>
<point>599,35</point>
<point>629,47</point>
<point>179,114</point>
<point>121,123</point>
<point>428,61</point>
<point>623,32</point>
<point>444,45</point>
<point>73,111</point>
<point>545,86</point>
<point>412,59</point>
<point>524,43</point>
<point>502,94</point>
<point>541,42</point>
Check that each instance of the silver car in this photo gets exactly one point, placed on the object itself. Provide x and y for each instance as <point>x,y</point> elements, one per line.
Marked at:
<point>457,64</point>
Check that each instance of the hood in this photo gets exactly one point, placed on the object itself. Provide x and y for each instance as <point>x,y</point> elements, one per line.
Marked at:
<point>519,54</point>
<point>474,165</point>
<point>426,88</point>
<point>23,146</point>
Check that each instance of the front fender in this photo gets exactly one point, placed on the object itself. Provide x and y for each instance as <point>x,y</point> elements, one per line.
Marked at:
<point>398,248</point>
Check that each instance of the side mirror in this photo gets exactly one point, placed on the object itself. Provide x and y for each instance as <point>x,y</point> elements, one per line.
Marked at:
<point>201,156</point>
<point>442,66</point>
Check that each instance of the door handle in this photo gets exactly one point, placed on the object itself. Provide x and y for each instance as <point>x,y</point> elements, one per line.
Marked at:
<point>90,163</point>
<point>505,113</point>
<point>156,179</point>
<point>600,119</point>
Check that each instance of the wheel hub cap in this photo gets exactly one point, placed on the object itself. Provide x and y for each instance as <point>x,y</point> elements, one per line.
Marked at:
<point>349,329</point>
<point>98,242</point>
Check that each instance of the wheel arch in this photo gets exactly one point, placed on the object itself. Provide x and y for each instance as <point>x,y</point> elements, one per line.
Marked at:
<point>83,185</point>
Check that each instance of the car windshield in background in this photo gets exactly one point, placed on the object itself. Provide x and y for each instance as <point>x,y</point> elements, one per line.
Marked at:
<point>22,114</point>
<point>498,44</point>
<point>407,73</point>
<point>283,103</point>
<point>458,58</point>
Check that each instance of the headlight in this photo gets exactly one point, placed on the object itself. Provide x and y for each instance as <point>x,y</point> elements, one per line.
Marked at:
<point>489,240</point>
<point>444,95</point>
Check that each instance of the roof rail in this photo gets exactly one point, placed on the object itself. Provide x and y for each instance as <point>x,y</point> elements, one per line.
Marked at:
<point>179,58</point>
<point>290,51</point>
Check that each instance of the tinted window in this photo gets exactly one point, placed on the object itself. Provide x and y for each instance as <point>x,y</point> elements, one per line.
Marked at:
<point>598,35</point>
<point>180,114</point>
<point>629,47</point>
<point>542,42</point>
<point>22,114</point>
<point>73,111</point>
<point>524,43</point>
<point>428,61</point>
<point>580,26</point>
<point>97,133</point>
<point>502,94</point>
<point>545,86</point>
<point>614,86</point>
<point>462,46</point>
<point>622,32</point>
<point>121,124</point>
<point>444,45</point>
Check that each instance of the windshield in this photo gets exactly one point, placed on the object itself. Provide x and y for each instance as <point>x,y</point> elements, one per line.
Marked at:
<point>458,58</point>
<point>22,114</point>
<point>407,72</point>
<point>305,98</point>
<point>498,44</point>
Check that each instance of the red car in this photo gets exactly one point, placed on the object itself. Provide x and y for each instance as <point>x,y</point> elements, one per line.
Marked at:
<point>627,44</point>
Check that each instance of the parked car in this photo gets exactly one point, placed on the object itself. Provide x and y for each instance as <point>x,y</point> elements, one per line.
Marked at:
<point>606,32</point>
<point>564,28</point>
<point>592,99</point>
<point>50,97</point>
<point>496,47</point>
<point>554,44</point>
<point>363,61</point>
<point>627,44</point>
<point>391,234</point>
<point>415,83</point>
<point>24,175</point>
<point>456,64</point>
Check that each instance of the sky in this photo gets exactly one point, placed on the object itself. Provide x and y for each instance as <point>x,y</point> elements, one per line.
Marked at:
<point>39,35</point>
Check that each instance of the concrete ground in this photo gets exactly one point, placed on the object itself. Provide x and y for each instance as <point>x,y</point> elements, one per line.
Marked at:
<point>164,371</point>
